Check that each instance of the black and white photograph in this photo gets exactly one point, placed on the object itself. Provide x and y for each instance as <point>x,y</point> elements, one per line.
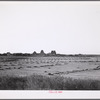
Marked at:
<point>48,45</point>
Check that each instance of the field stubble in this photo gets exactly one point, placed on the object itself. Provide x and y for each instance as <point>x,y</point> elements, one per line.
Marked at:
<point>49,73</point>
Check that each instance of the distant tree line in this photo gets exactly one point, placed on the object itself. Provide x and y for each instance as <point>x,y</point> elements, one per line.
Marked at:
<point>42,53</point>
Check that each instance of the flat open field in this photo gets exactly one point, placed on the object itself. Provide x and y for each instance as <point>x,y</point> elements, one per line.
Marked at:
<point>49,73</point>
<point>74,67</point>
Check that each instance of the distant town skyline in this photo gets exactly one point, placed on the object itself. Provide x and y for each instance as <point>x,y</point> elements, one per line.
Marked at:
<point>66,27</point>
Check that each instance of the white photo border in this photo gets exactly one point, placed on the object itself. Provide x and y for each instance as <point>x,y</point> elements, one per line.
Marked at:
<point>55,94</point>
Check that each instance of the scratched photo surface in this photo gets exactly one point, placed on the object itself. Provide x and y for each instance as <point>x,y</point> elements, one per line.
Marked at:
<point>49,45</point>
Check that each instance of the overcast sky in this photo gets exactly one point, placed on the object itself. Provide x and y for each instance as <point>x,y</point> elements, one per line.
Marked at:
<point>67,27</point>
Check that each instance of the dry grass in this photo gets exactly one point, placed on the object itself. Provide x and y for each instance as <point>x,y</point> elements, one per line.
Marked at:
<point>38,82</point>
<point>12,83</point>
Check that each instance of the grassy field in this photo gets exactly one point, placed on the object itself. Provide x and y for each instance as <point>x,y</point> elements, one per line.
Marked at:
<point>38,82</point>
<point>49,73</point>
